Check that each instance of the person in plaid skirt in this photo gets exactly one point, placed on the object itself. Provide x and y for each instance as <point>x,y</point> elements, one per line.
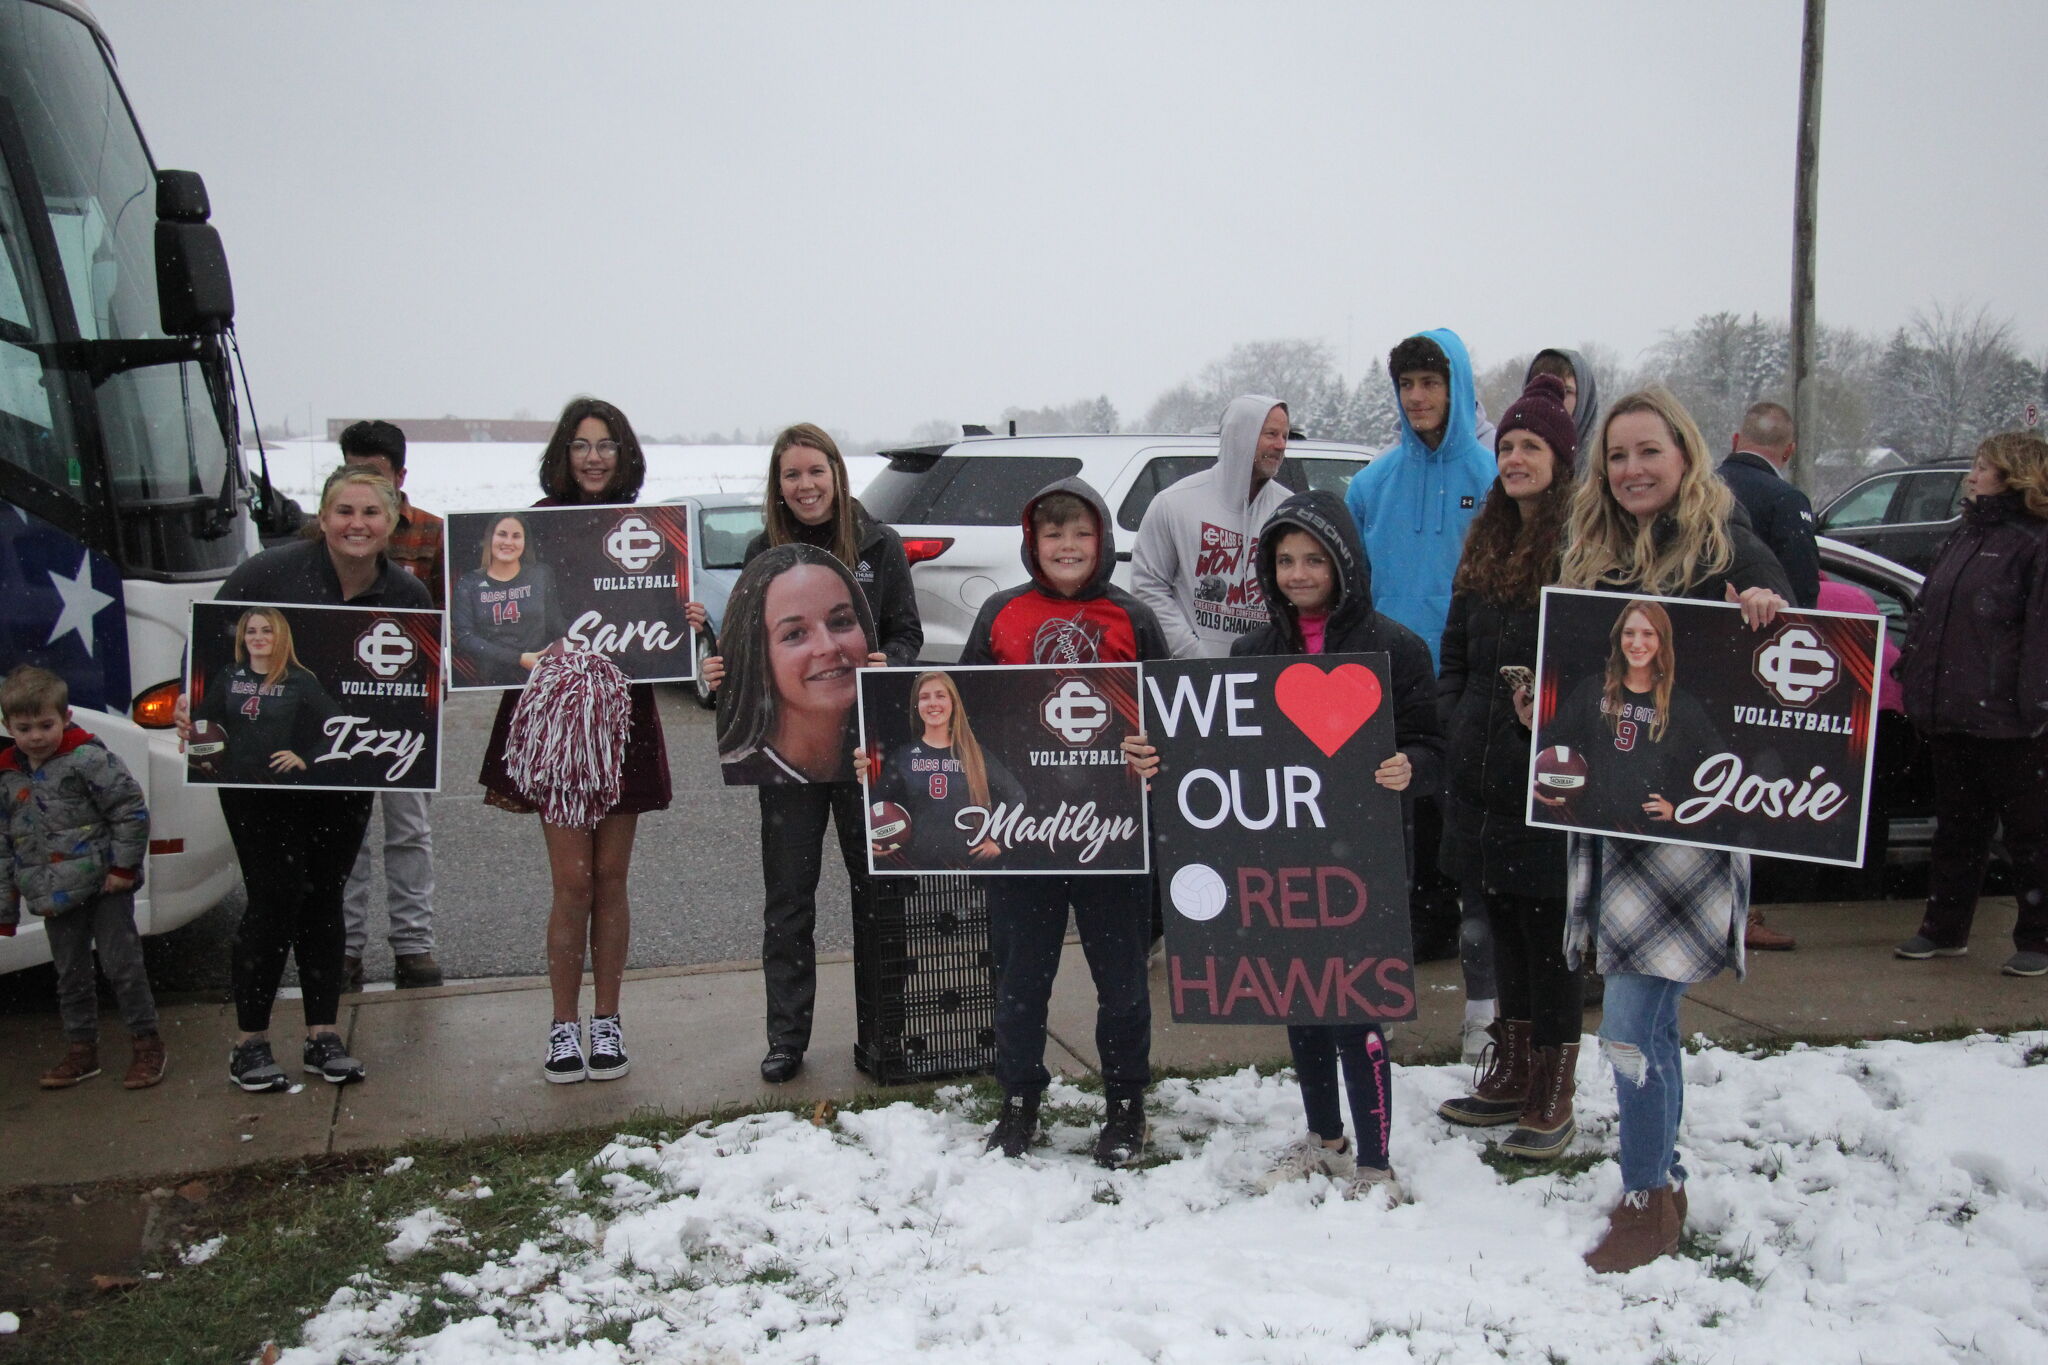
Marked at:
<point>1650,517</point>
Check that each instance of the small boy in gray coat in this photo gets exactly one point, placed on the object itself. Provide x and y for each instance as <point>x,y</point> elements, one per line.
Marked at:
<point>73,832</point>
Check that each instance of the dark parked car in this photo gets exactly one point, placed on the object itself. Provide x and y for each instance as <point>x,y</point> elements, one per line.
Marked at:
<point>1902,514</point>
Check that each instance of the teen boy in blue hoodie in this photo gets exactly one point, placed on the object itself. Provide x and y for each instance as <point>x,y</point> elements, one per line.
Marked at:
<point>1413,503</point>
<point>1070,613</point>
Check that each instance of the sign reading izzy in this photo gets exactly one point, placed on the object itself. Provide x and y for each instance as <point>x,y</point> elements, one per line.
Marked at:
<point>610,579</point>
<point>317,698</point>
<point>1282,861</point>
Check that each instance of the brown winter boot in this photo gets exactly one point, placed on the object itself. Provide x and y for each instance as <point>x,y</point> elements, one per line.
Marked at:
<point>1756,935</point>
<point>1547,1126</point>
<point>146,1066</point>
<point>1504,1087</point>
<point>81,1063</point>
<point>1643,1226</point>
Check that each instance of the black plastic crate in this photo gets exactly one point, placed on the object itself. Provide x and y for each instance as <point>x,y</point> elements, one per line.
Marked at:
<point>924,980</point>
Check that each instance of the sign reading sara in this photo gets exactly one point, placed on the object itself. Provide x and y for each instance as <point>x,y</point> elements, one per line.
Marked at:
<point>1284,862</point>
<point>1668,719</point>
<point>610,579</point>
<point>1003,770</point>
<point>331,698</point>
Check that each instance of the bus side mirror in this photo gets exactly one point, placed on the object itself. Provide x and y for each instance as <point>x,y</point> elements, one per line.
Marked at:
<point>194,294</point>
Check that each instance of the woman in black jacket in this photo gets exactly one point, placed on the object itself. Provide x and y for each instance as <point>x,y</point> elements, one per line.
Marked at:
<point>1976,681</point>
<point>296,847</point>
<point>1318,589</point>
<point>808,503</point>
<point>1489,652</point>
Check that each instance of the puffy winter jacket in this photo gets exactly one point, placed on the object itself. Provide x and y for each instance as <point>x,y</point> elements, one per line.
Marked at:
<point>1976,659</point>
<point>66,825</point>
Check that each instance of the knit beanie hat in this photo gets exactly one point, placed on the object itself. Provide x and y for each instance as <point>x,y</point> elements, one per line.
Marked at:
<point>1540,409</point>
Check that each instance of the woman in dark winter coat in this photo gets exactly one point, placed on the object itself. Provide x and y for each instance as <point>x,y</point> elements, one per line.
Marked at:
<point>592,457</point>
<point>1489,652</point>
<point>1976,682</point>
<point>809,503</point>
<point>1318,589</point>
<point>1650,517</point>
<point>296,847</point>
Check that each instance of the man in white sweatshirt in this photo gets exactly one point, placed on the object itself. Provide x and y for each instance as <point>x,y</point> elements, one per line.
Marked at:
<point>1196,560</point>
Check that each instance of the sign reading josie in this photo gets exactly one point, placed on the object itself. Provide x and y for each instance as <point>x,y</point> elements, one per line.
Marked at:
<point>1002,770</point>
<point>1284,865</point>
<point>610,579</point>
<point>1667,719</point>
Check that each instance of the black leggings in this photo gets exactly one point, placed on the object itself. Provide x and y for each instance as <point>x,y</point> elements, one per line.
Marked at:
<point>296,849</point>
<point>1528,963</point>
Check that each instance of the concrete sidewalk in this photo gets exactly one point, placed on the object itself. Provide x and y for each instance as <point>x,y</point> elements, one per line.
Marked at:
<point>463,1061</point>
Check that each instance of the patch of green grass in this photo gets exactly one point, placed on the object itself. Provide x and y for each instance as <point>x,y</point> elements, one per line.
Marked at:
<point>1512,1169</point>
<point>1778,1046</point>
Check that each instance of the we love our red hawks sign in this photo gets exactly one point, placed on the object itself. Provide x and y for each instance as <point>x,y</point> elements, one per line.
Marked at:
<point>1281,862</point>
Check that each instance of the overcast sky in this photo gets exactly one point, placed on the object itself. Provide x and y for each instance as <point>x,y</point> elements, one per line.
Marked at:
<point>872,215</point>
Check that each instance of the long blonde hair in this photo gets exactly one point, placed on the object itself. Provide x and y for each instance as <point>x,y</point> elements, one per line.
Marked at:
<point>2023,458</point>
<point>1663,672</point>
<point>1605,542</point>
<point>959,735</point>
<point>283,657</point>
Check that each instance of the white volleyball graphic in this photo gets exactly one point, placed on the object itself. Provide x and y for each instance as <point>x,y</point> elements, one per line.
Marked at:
<point>1198,892</point>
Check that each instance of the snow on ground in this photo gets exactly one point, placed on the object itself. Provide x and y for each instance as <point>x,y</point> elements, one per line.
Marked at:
<point>1877,1204</point>
<point>482,476</point>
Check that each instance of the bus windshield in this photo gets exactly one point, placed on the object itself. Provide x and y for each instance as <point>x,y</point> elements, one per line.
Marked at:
<point>78,213</point>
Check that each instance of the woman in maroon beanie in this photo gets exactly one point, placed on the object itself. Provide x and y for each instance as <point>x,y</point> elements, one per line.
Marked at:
<point>1976,680</point>
<point>1511,553</point>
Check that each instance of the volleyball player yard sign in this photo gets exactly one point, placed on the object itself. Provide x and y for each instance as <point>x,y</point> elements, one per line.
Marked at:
<point>1282,864</point>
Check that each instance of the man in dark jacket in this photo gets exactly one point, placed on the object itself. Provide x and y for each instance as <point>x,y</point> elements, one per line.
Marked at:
<point>1783,519</point>
<point>1778,512</point>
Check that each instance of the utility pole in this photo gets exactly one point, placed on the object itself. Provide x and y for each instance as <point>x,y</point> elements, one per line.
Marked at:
<point>1806,189</point>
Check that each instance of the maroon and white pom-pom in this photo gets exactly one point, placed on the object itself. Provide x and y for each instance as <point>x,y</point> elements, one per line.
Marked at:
<point>566,750</point>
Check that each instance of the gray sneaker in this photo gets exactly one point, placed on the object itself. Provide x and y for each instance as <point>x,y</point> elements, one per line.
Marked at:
<point>2026,964</point>
<point>1306,1156</point>
<point>328,1058</point>
<point>1920,947</point>
<point>252,1067</point>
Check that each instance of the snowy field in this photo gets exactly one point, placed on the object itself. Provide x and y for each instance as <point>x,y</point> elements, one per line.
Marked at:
<point>1880,1204</point>
<point>477,477</point>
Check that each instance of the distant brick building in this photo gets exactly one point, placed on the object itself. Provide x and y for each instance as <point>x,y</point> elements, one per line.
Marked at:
<point>443,430</point>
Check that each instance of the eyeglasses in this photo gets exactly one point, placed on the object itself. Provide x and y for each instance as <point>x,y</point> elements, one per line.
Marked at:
<point>581,447</point>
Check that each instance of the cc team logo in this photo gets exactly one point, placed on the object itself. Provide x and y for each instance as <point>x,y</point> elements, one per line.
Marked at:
<point>633,544</point>
<point>385,649</point>
<point>1075,712</point>
<point>1795,665</point>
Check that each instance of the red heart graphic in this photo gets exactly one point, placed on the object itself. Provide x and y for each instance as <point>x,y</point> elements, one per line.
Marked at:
<point>1328,707</point>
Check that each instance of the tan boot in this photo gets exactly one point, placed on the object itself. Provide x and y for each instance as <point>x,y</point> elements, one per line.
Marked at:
<point>81,1063</point>
<point>1757,935</point>
<point>146,1066</point>
<point>1547,1126</point>
<point>1643,1226</point>
<point>1503,1089</point>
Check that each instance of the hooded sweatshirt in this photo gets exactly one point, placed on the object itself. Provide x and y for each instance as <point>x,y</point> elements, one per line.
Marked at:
<point>1353,627</point>
<point>1035,623</point>
<point>1586,414</point>
<point>1412,505</point>
<point>1194,563</point>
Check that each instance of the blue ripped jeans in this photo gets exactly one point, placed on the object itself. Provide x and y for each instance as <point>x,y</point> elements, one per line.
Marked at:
<point>1639,1035</point>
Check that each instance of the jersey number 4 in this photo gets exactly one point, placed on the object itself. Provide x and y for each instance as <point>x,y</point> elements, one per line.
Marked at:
<point>253,707</point>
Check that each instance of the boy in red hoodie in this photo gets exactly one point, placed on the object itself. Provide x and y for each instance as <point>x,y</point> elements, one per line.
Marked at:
<point>1070,613</point>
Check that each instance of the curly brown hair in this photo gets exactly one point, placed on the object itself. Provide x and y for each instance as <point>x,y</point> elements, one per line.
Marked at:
<point>1509,559</point>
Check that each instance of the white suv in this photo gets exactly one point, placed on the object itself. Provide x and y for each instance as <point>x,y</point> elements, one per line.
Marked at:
<point>959,506</point>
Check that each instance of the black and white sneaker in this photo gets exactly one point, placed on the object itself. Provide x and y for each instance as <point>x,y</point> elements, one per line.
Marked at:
<point>1122,1139</point>
<point>252,1067</point>
<point>326,1057</point>
<point>607,1048</point>
<point>565,1053</point>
